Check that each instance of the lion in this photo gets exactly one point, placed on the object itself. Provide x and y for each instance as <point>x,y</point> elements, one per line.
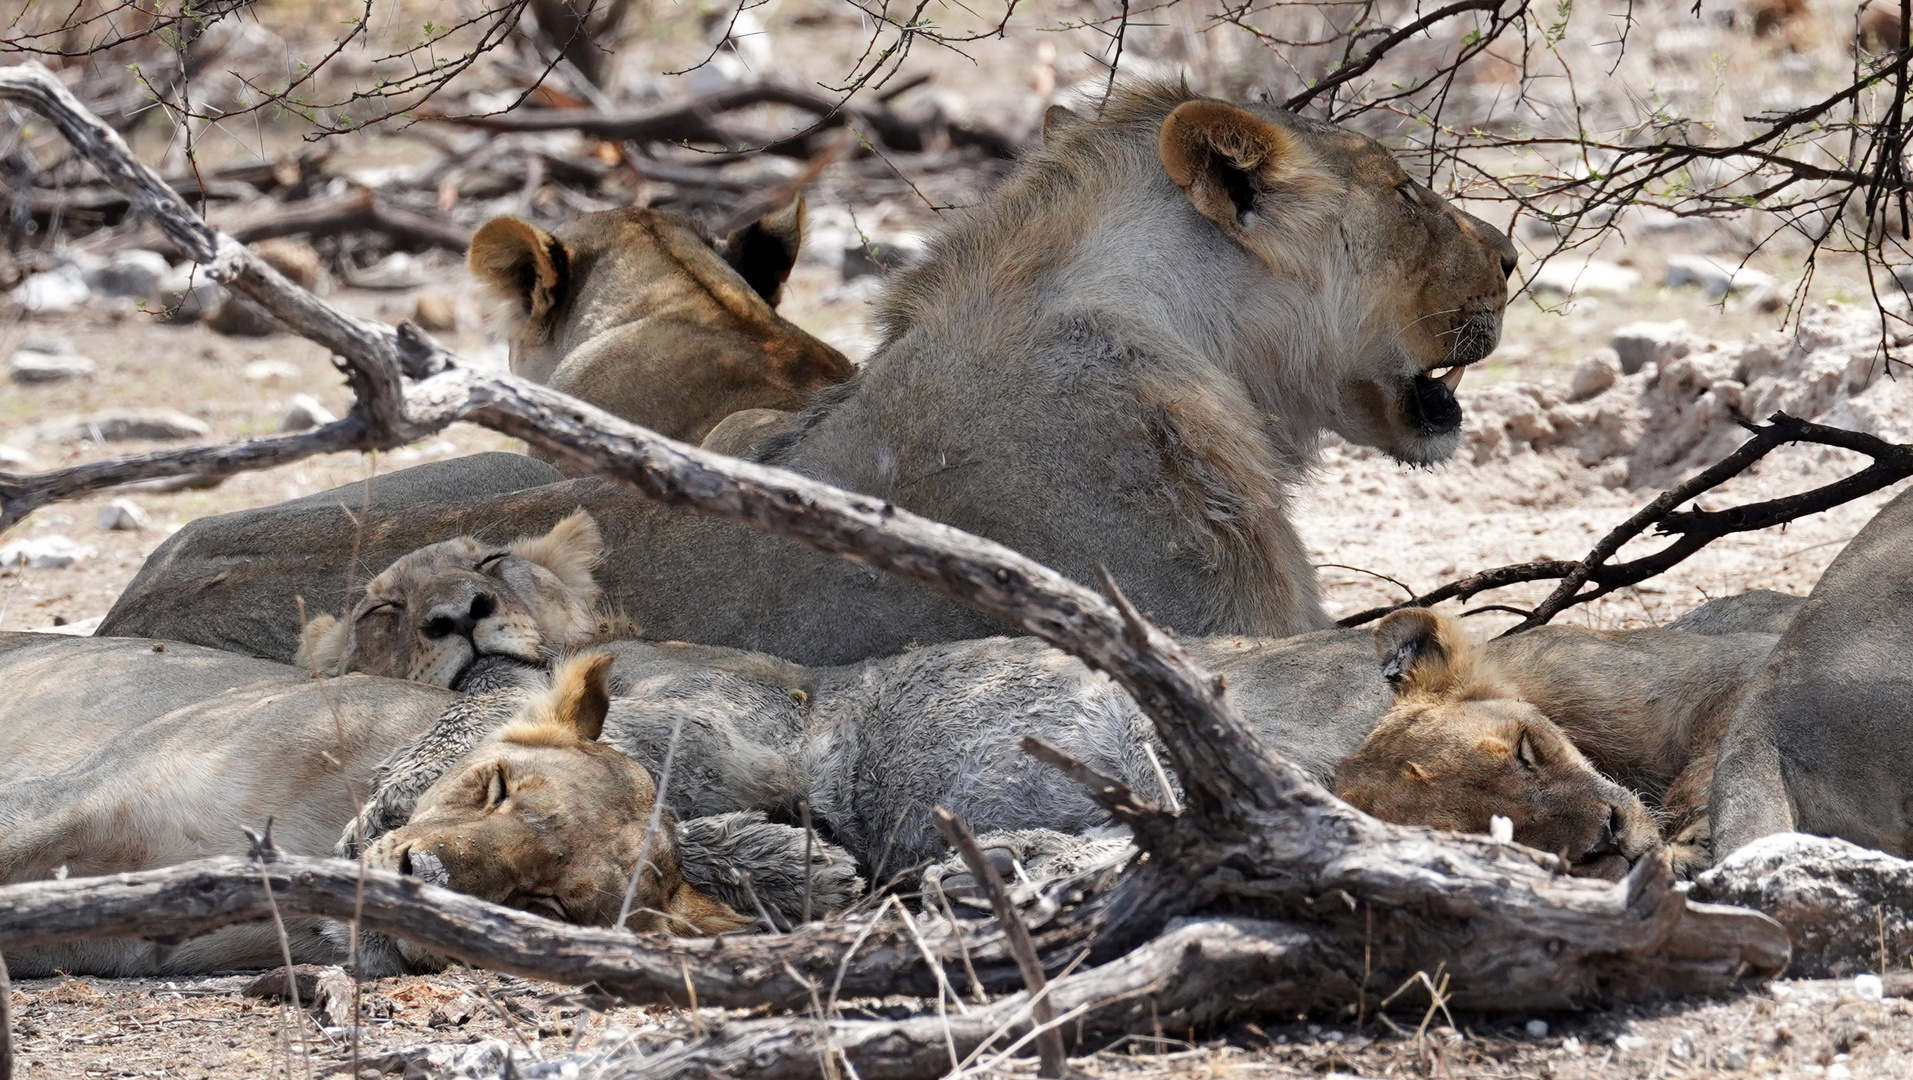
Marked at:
<point>432,614</point>
<point>1122,357</point>
<point>1463,743</point>
<point>165,752</point>
<point>641,313</point>
<point>1821,737</point>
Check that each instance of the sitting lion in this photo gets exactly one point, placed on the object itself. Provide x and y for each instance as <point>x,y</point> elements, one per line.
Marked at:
<point>1122,357</point>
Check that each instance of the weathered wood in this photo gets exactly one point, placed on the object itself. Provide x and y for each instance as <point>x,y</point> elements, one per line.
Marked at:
<point>1049,1042</point>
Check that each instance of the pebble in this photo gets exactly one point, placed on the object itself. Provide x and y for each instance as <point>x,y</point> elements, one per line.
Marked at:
<point>62,288</point>
<point>1869,987</point>
<point>269,370</point>
<point>120,425</point>
<point>1574,277</point>
<point>1502,829</point>
<point>305,413</point>
<point>1594,375</point>
<point>123,515</point>
<point>35,366</point>
<point>1538,1029</point>
<point>1714,277</point>
<point>1640,343</point>
<point>15,458</point>
<point>52,552</point>
<point>134,273</point>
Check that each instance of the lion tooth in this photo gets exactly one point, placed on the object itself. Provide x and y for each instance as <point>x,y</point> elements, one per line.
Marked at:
<point>1452,380</point>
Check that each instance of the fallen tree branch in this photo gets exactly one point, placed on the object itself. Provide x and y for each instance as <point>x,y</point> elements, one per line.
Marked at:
<point>1695,528</point>
<point>1258,838</point>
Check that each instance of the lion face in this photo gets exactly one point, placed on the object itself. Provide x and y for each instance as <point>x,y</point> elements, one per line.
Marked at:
<point>1405,290</point>
<point>429,616</point>
<point>1457,749</point>
<point>544,818</point>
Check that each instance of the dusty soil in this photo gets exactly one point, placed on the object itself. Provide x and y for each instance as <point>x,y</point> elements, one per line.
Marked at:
<point>206,1029</point>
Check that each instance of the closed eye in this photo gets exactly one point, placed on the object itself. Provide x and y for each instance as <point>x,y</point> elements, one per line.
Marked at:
<point>376,608</point>
<point>496,789</point>
<point>1409,191</point>
<point>492,558</point>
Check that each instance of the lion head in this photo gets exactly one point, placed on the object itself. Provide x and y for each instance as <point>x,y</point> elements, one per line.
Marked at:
<point>1458,747</point>
<point>1356,294</point>
<point>430,615</point>
<point>545,818</point>
<point>642,313</point>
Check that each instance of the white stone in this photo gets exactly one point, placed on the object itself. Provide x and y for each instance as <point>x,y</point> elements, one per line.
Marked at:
<point>121,425</point>
<point>1638,344</point>
<point>62,288</point>
<point>1870,987</point>
<point>1839,1071</point>
<point>1574,277</point>
<point>34,366</point>
<point>1501,828</point>
<point>1571,1045</point>
<point>135,273</point>
<point>1594,375</point>
<point>15,458</point>
<point>1715,278</point>
<point>123,515</point>
<point>83,628</point>
<point>1538,1029</point>
<point>305,413</point>
<point>53,552</point>
<point>270,370</point>
<point>1628,1043</point>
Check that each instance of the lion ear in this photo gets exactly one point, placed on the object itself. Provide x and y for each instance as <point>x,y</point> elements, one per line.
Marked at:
<point>700,915</point>
<point>764,251</point>
<point>580,698</point>
<point>1420,651</point>
<point>569,550</point>
<point>1057,120</point>
<point>321,645</point>
<point>1226,158</point>
<point>525,264</point>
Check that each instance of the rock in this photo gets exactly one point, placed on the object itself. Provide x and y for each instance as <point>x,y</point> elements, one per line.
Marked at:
<point>1836,899</point>
<point>13,457</point>
<point>1638,344</point>
<point>1537,1029</point>
<point>237,316</point>
<point>123,515</point>
<point>305,413</point>
<point>295,259</point>
<point>83,628</point>
<point>1715,278</point>
<point>52,552</point>
<point>436,311</point>
<point>189,295</point>
<point>396,271</point>
<point>136,273</point>
<point>34,366</point>
<point>270,370</point>
<point>1594,375</point>
<point>62,288</point>
<point>121,425</point>
<point>1575,277</point>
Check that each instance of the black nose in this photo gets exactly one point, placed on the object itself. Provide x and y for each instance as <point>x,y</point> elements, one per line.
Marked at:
<point>446,621</point>
<point>1508,260</point>
<point>405,862</point>
<point>1608,842</point>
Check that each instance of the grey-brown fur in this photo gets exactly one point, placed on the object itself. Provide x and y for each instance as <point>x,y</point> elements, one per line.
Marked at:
<point>1087,369</point>
<point>1823,736</point>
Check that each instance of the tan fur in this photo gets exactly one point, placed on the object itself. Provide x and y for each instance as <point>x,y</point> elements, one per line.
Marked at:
<point>1648,707</point>
<point>545,818</point>
<point>638,312</point>
<point>1458,746</point>
<point>430,614</point>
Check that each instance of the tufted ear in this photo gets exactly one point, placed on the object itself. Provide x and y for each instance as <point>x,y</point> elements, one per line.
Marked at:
<point>321,645</point>
<point>1227,159</point>
<point>696,915</point>
<point>764,251</point>
<point>526,265</point>
<point>579,698</point>
<point>1420,651</point>
<point>1058,120</point>
<point>569,550</point>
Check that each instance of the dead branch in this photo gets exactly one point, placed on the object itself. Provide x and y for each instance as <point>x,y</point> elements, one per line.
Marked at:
<point>1258,837</point>
<point>1695,528</point>
<point>1042,1010</point>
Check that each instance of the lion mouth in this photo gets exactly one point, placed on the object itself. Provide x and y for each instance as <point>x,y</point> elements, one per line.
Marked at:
<point>1431,404</point>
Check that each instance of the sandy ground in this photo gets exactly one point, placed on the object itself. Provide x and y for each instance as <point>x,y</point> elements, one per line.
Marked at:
<point>207,1029</point>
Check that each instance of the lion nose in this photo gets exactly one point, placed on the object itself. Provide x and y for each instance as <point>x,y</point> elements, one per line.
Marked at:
<point>448,619</point>
<point>1608,843</point>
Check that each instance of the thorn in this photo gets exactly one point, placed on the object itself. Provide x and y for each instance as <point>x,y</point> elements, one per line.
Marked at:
<point>1135,630</point>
